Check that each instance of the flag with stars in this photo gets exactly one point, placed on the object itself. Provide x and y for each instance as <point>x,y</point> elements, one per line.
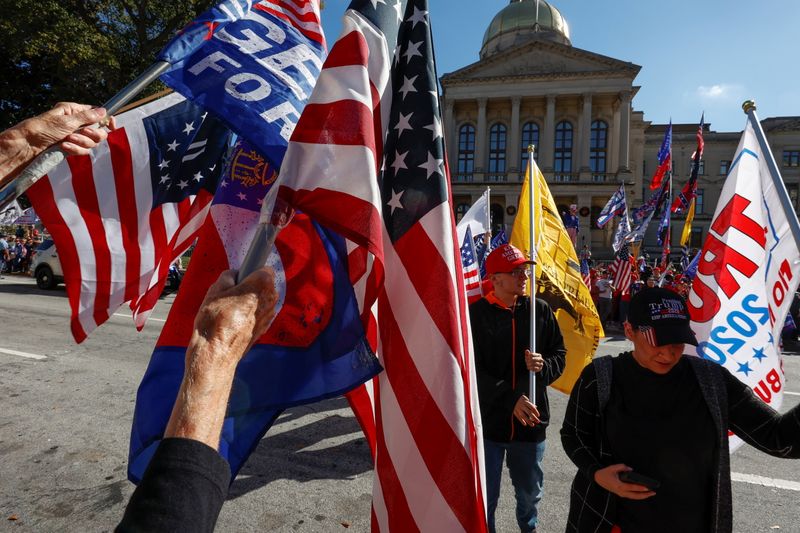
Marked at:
<point>367,160</point>
<point>315,348</point>
<point>469,263</point>
<point>122,214</point>
<point>747,273</point>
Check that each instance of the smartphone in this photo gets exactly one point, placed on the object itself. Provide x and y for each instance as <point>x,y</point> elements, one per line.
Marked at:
<point>639,479</point>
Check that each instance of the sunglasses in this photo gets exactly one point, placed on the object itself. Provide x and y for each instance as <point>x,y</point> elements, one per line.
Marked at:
<point>517,272</point>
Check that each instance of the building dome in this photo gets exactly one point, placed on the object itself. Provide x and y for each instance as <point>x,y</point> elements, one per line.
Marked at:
<point>522,21</point>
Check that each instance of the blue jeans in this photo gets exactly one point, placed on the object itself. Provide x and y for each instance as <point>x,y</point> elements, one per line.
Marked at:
<point>524,461</point>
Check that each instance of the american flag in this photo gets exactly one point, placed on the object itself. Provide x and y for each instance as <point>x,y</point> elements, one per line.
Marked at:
<point>586,273</point>
<point>689,191</point>
<point>121,215</point>
<point>616,205</point>
<point>469,264</point>
<point>367,160</point>
<point>621,270</point>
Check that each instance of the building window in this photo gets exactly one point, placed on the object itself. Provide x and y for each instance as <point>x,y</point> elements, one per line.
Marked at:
<point>466,152</point>
<point>724,167</point>
<point>461,210</point>
<point>699,202</point>
<point>598,145</point>
<point>792,189</point>
<point>497,152</point>
<point>701,171</point>
<point>498,214</point>
<point>530,136</point>
<point>696,239</point>
<point>562,156</point>
<point>791,158</point>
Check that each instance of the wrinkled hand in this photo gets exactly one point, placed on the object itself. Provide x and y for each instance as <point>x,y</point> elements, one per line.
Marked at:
<point>608,478</point>
<point>534,361</point>
<point>526,412</point>
<point>232,317</point>
<point>67,123</point>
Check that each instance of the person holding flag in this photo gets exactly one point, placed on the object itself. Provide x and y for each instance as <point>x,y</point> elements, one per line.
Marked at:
<point>503,358</point>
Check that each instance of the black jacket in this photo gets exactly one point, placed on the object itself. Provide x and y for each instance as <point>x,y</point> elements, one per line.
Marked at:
<point>500,336</point>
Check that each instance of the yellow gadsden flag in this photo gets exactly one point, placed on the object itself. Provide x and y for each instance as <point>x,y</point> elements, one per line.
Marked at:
<point>558,277</point>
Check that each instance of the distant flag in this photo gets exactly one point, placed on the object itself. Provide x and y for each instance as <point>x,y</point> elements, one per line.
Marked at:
<point>315,348</point>
<point>748,271</point>
<point>621,270</point>
<point>367,160</point>
<point>664,225</point>
<point>122,214</point>
<point>641,216</point>
<point>253,64</point>
<point>686,234</point>
<point>469,264</point>
<point>586,273</point>
<point>615,206</point>
<point>482,251</point>
<point>664,159</point>
<point>689,191</point>
<point>623,229</point>
<point>691,269</point>
<point>477,218</point>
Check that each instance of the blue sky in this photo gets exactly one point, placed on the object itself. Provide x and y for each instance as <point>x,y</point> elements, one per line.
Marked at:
<point>701,55</point>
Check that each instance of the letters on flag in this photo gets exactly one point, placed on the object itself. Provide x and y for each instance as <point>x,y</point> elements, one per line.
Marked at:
<point>747,273</point>
<point>122,214</point>
<point>560,280</point>
<point>367,160</point>
<point>616,205</point>
<point>315,347</point>
<point>253,64</point>
<point>642,216</point>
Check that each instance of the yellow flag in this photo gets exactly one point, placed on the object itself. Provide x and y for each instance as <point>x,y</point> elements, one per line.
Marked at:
<point>687,226</point>
<point>558,275</point>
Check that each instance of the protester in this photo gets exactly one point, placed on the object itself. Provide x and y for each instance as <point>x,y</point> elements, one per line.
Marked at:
<point>513,427</point>
<point>187,480</point>
<point>4,255</point>
<point>605,293</point>
<point>658,413</point>
<point>67,123</point>
<point>572,224</point>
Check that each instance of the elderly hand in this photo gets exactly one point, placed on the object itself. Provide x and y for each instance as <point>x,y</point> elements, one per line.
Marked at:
<point>534,361</point>
<point>526,412</point>
<point>67,123</point>
<point>608,478</point>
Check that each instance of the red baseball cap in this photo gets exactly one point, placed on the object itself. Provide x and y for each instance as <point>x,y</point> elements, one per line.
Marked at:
<point>505,258</point>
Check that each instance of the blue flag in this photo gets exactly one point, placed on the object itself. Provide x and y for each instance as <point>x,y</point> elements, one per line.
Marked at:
<point>253,64</point>
<point>615,206</point>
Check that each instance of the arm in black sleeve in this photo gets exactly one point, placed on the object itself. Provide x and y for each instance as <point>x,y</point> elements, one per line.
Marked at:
<point>553,351</point>
<point>579,432</point>
<point>760,425</point>
<point>492,390</point>
<point>183,489</point>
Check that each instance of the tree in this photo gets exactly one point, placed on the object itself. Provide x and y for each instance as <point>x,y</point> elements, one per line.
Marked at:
<point>80,50</point>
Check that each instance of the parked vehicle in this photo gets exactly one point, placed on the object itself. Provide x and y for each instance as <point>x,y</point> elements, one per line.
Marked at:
<point>174,277</point>
<point>46,266</point>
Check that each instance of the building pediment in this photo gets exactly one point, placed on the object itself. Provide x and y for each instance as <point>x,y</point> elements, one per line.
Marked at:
<point>542,59</point>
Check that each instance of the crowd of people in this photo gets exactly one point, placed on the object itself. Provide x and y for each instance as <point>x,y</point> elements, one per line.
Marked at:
<point>17,253</point>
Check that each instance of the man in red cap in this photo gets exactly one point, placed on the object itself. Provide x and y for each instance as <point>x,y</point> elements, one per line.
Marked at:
<point>513,426</point>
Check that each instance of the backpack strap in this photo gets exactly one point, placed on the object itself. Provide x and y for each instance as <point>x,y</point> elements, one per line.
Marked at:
<point>602,368</point>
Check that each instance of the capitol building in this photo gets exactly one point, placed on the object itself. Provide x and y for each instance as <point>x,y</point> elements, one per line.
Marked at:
<point>531,86</point>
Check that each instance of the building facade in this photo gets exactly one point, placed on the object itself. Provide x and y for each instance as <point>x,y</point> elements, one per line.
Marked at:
<point>530,86</point>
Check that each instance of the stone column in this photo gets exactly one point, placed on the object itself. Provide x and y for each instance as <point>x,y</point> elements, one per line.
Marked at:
<point>513,148</point>
<point>625,131</point>
<point>480,139</point>
<point>585,134</point>
<point>450,134</point>
<point>585,231</point>
<point>613,135</point>
<point>547,135</point>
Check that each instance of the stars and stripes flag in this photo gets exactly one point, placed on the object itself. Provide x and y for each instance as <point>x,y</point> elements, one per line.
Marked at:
<point>689,191</point>
<point>621,270</point>
<point>482,251</point>
<point>367,160</point>
<point>586,273</point>
<point>122,214</point>
<point>469,264</point>
<point>664,159</point>
<point>616,205</point>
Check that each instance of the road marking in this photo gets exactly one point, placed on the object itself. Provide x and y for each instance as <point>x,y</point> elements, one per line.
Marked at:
<point>149,319</point>
<point>792,393</point>
<point>765,481</point>
<point>23,354</point>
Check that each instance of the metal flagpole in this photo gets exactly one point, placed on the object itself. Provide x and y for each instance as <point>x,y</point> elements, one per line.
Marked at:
<point>532,248</point>
<point>51,157</point>
<point>749,107</point>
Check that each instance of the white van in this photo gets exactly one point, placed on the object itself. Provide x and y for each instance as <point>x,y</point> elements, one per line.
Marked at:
<point>46,267</point>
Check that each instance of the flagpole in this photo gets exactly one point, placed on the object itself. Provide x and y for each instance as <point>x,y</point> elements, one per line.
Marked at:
<point>51,157</point>
<point>532,248</point>
<point>749,108</point>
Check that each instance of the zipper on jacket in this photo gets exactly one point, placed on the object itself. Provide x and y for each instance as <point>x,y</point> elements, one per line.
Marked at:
<point>513,360</point>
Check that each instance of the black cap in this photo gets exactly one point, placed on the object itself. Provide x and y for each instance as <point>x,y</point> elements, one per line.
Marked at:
<point>662,315</point>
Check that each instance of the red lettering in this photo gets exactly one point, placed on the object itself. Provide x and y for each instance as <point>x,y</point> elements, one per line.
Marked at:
<point>778,292</point>
<point>709,301</point>
<point>719,266</point>
<point>732,215</point>
<point>763,391</point>
<point>774,379</point>
<point>785,273</point>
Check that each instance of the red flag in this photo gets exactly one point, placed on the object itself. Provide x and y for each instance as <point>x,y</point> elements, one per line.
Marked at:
<point>367,160</point>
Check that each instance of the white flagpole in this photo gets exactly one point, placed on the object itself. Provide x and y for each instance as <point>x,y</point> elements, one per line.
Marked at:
<point>749,108</point>
<point>532,248</point>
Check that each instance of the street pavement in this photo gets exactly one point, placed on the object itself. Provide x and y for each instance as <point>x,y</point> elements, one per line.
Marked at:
<point>65,416</point>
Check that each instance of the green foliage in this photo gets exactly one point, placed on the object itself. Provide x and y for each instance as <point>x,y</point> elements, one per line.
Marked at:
<point>80,50</point>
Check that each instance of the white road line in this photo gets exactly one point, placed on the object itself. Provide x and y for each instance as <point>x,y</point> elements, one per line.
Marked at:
<point>765,481</point>
<point>792,393</point>
<point>23,354</point>
<point>149,319</point>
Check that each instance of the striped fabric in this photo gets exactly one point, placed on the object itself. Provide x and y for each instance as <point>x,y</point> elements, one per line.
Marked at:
<point>367,160</point>
<point>621,270</point>
<point>121,215</point>
<point>469,264</point>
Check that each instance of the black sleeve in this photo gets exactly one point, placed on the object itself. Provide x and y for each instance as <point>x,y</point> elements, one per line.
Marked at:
<point>579,431</point>
<point>183,489</point>
<point>552,350</point>
<point>492,390</point>
<point>760,425</point>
